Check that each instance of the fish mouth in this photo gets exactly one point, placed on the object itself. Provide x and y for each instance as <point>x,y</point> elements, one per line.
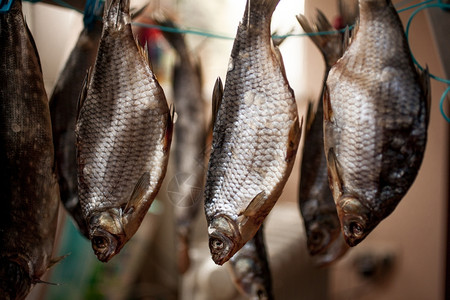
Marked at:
<point>104,244</point>
<point>15,280</point>
<point>221,247</point>
<point>334,251</point>
<point>318,239</point>
<point>259,292</point>
<point>224,238</point>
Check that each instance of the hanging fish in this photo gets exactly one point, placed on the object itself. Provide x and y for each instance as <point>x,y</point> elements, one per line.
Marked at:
<point>30,194</point>
<point>255,137</point>
<point>190,140</point>
<point>324,239</point>
<point>250,271</point>
<point>63,109</point>
<point>376,111</point>
<point>123,131</point>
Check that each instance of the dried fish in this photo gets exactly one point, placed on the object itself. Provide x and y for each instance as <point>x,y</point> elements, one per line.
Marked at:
<point>30,194</point>
<point>123,130</point>
<point>376,111</point>
<point>255,137</point>
<point>324,239</point>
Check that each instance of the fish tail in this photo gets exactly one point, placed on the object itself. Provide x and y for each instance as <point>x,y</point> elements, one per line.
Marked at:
<point>117,13</point>
<point>330,45</point>
<point>255,8</point>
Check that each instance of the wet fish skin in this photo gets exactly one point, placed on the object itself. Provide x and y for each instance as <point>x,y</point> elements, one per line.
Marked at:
<point>324,239</point>
<point>189,138</point>
<point>376,111</point>
<point>123,131</point>
<point>30,194</point>
<point>255,137</point>
<point>250,271</point>
<point>63,110</point>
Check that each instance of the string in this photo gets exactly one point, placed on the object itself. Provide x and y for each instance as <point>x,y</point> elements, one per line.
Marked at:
<point>441,5</point>
<point>441,104</point>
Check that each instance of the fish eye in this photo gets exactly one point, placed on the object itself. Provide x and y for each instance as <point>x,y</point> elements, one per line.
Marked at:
<point>217,244</point>
<point>356,229</point>
<point>316,236</point>
<point>99,242</point>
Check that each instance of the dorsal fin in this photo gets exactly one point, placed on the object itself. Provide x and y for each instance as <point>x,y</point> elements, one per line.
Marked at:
<point>84,90</point>
<point>216,100</point>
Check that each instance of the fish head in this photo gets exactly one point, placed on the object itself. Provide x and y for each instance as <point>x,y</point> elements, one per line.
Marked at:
<point>15,280</point>
<point>106,234</point>
<point>355,219</point>
<point>224,238</point>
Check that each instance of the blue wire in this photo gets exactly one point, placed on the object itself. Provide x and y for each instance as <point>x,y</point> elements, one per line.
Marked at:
<point>446,81</point>
<point>441,104</point>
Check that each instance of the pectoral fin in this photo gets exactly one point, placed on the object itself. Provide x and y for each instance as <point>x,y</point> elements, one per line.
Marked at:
<point>295,133</point>
<point>137,197</point>
<point>334,177</point>
<point>254,207</point>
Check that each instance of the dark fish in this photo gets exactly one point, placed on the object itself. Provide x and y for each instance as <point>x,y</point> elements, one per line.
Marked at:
<point>324,239</point>
<point>376,111</point>
<point>123,130</point>
<point>249,268</point>
<point>30,194</point>
<point>255,138</point>
<point>63,109</point>
<point>190,140</point>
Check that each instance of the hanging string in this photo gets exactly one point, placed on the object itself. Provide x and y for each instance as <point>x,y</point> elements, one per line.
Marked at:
<point>429,4</point>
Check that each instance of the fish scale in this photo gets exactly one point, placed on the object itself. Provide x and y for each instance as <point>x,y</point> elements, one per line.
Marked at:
<point>123,136</point>
<point>255,136</point>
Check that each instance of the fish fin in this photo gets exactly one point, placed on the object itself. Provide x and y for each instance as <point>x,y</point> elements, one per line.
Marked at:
<point>84,90</point>
<point>327,111</point>
<point>216,100</point>
<point>56,260</point>
<point>137,196</point>
<point>35,281</point>
<point>169,128</point>
<point>310,115</point>
<point>295,133</point>
<point>143,51</point>
<point>334,177</point>
<point>425,83</point>
<point>278,40</point>
<point>279,58</point>
<point>329,45</point>
<point>346,39</point>
<point>254,207</point>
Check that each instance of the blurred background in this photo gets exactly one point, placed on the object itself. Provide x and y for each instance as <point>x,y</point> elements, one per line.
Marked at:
<point>403,258</point>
